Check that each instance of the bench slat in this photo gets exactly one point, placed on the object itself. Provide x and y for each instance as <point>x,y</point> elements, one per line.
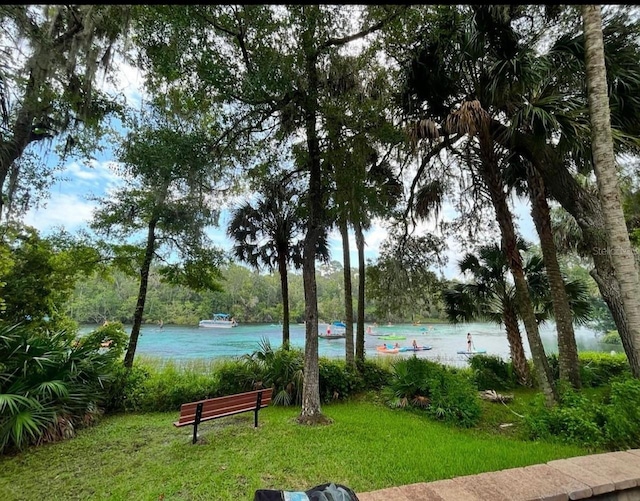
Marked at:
<point>203,418</point>
<point>213,412</point>
<point>223,406</point>
<point>240,398</point>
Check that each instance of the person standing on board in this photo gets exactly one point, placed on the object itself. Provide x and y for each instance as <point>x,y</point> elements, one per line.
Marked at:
<point>469,342</point>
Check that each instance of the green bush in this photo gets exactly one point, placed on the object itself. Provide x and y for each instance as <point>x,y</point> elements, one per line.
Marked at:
<point>622,415</point>
<point>127,391</point>
<point>408,386</point>
<point>171,386</point>
<point>598,369</point>
<point>49,384</point>
<point>374,376</point>
<point>454,399</point>
<point>447,394</point>
<point>611,337</point>
<point>611,421</point>
<point>236,376</point>
<point>573,420</point>
<point>337,380</point>
<point>111,335</point>
<point>280,369</point>
<point>490,372</point>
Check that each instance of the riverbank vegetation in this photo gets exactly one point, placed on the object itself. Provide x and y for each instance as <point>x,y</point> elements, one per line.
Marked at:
<point>54,385</point>
<point>433,414</point>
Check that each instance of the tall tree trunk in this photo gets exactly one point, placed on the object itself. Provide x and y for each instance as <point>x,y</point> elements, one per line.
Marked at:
<point>567,348</point>
<point>622,256</point>
<point>311,411</point>
<point>360,352</point>
<point>12,150</point>
<point>587,211</point>
<point>142,293</point>
<point>495,186</point>
<point>518,356</point>
<point>348,292</point>
<point>284,290</point>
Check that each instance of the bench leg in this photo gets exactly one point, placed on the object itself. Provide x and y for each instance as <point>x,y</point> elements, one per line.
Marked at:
<point>196,422</point>
<point>258,403</point>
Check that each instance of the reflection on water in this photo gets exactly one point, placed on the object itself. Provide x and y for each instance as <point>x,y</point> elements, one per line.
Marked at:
<point>188,343</point>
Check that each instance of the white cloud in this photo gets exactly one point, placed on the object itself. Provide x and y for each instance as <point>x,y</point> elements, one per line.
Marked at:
<point>99,175</point>
<point>65,210</point>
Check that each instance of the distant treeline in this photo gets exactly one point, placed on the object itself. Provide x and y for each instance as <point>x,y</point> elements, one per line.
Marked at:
<point>249,296</point>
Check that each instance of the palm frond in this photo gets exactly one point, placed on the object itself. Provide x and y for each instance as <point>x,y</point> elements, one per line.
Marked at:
<point>429,199</point>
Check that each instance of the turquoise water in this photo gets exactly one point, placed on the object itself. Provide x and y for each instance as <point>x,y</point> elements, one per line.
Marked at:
<point>182,343</point>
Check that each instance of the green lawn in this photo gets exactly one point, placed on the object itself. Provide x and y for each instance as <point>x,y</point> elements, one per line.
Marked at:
<point>368,446</point>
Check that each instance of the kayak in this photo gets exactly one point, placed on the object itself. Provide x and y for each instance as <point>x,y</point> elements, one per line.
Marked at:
<point>411,348</point>
<point>384,349</point>
<point>393,337</point>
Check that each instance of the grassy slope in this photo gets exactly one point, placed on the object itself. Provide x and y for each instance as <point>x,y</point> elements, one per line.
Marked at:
<point>367,447</point>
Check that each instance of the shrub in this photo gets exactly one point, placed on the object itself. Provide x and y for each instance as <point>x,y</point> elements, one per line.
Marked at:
<point>408,385</point>
<point>598,369</point>
<point>171,386</point>
<point>622,415</point>
<point>454,399</point>
<point>49,384</point>
<point>337,380</point>
<point>281,369</point>
<point>612,422</point>
<point>126,391</point>
<point>573,420</point>
<point>447,394</point>
<point>374,376</point>
<point>111,335</point>
<point>490,372</point>
<point>236,376</point>
<point>611,337</point>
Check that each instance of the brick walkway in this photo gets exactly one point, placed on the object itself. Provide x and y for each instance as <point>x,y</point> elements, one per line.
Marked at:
<point>583,477</point>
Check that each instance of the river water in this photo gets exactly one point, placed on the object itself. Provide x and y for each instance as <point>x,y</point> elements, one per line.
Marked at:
<point>182,343</point>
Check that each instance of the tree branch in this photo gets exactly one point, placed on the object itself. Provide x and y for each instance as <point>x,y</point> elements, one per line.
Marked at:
<point>333,42</point>
<point>423,165</point>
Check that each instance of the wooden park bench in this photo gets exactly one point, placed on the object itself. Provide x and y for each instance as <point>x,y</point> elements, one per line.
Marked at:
<point>195,413</point>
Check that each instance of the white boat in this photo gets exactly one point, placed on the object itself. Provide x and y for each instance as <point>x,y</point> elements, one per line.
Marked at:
<point>219,321</point>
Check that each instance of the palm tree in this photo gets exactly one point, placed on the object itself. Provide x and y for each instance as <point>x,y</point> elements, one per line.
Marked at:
<point>553,104</point>
<point>264,234</point>
<point>525,179</point>
<point>492,297</point>
<point>458,94</point>
<point>541,93</point>
<point>365,185</point>
<point>604,166</point>
<point>567,347</point>
<point>473,119</point>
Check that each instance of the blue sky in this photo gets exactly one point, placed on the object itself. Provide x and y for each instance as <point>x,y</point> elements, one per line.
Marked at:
<point>69,206</point>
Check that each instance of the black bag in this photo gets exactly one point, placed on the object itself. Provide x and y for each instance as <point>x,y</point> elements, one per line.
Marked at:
<point>323,492</point>
<point>331,492</point>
